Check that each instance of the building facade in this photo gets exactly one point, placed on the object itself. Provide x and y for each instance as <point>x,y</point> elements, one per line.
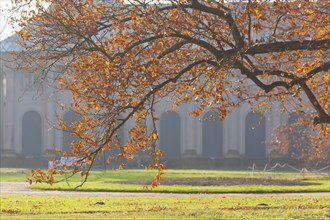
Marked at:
<point>28,137</point>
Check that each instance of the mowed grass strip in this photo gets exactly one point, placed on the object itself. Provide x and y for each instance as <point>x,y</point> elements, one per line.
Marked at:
<point>116,187</point>
<point>193,207</point>
<point>110,181</point>
<point>19,175</point>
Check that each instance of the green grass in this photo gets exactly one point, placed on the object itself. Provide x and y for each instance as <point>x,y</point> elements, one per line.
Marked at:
<point>120,175</point>
<point>192,207</point>
<point>114,187</point>
<point>108,181</point>
<point>13,175</point>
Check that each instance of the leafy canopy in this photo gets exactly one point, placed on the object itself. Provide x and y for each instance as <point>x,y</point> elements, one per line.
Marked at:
<point>118,58</point>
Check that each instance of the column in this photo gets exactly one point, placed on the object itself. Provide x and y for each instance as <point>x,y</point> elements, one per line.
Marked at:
<point>2,108</point>
<point>190,131</point>
<point>49,121</point>
<point>8,147</point>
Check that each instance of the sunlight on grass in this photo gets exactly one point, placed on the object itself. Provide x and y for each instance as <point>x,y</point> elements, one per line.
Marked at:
<point>193,207</point>
<point>110,181</point>
<point>113,187</point>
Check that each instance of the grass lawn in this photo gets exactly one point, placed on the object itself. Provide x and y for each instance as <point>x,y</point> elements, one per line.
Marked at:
<point>193,207</point>
<point>109,181</point>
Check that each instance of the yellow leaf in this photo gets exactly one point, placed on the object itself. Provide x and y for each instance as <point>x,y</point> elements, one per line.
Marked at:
<point>89,160</point>
<point>62,106</point>
<point>161,167</point>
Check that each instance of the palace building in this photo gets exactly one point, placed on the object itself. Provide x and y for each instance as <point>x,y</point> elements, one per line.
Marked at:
<point>28,111</point>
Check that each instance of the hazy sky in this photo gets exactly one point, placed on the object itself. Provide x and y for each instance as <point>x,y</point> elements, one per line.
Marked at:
<point>5,29</point>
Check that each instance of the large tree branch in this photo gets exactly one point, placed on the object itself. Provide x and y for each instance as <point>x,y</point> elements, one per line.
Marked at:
<point>322,117</point>
<point>185,40</point>
<point>173,48</point>
<point>294,79</point>
<point>217,53</point>
<point>226,15</point>
<point>288,46</point>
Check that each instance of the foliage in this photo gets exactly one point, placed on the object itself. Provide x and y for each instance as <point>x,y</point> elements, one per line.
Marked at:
<point>119,58</point>
<point>295,139</point>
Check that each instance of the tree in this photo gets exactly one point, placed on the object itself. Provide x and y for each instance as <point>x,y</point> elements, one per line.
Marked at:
<point>296,140</point>
<point>118,58</point>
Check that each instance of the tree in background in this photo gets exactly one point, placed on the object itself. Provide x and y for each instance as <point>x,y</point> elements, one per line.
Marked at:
<point>118,58</point>
<point>297,140</point>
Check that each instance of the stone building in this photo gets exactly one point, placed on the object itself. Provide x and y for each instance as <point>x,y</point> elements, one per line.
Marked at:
<point>27,135</point>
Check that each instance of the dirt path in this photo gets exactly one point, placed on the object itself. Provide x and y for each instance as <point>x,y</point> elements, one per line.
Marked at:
<point>21,188</point>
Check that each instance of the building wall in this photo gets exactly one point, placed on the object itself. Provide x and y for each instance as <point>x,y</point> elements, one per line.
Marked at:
<point>21,97</point>
<point>2,108</point>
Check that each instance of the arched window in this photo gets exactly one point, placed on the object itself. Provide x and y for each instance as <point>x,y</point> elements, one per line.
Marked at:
<point>68,137</point>
<point>31,134</point>
<point>297,136</point>
<point>212,135</point>
<point>170,136</point>
<point>255,135</point>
